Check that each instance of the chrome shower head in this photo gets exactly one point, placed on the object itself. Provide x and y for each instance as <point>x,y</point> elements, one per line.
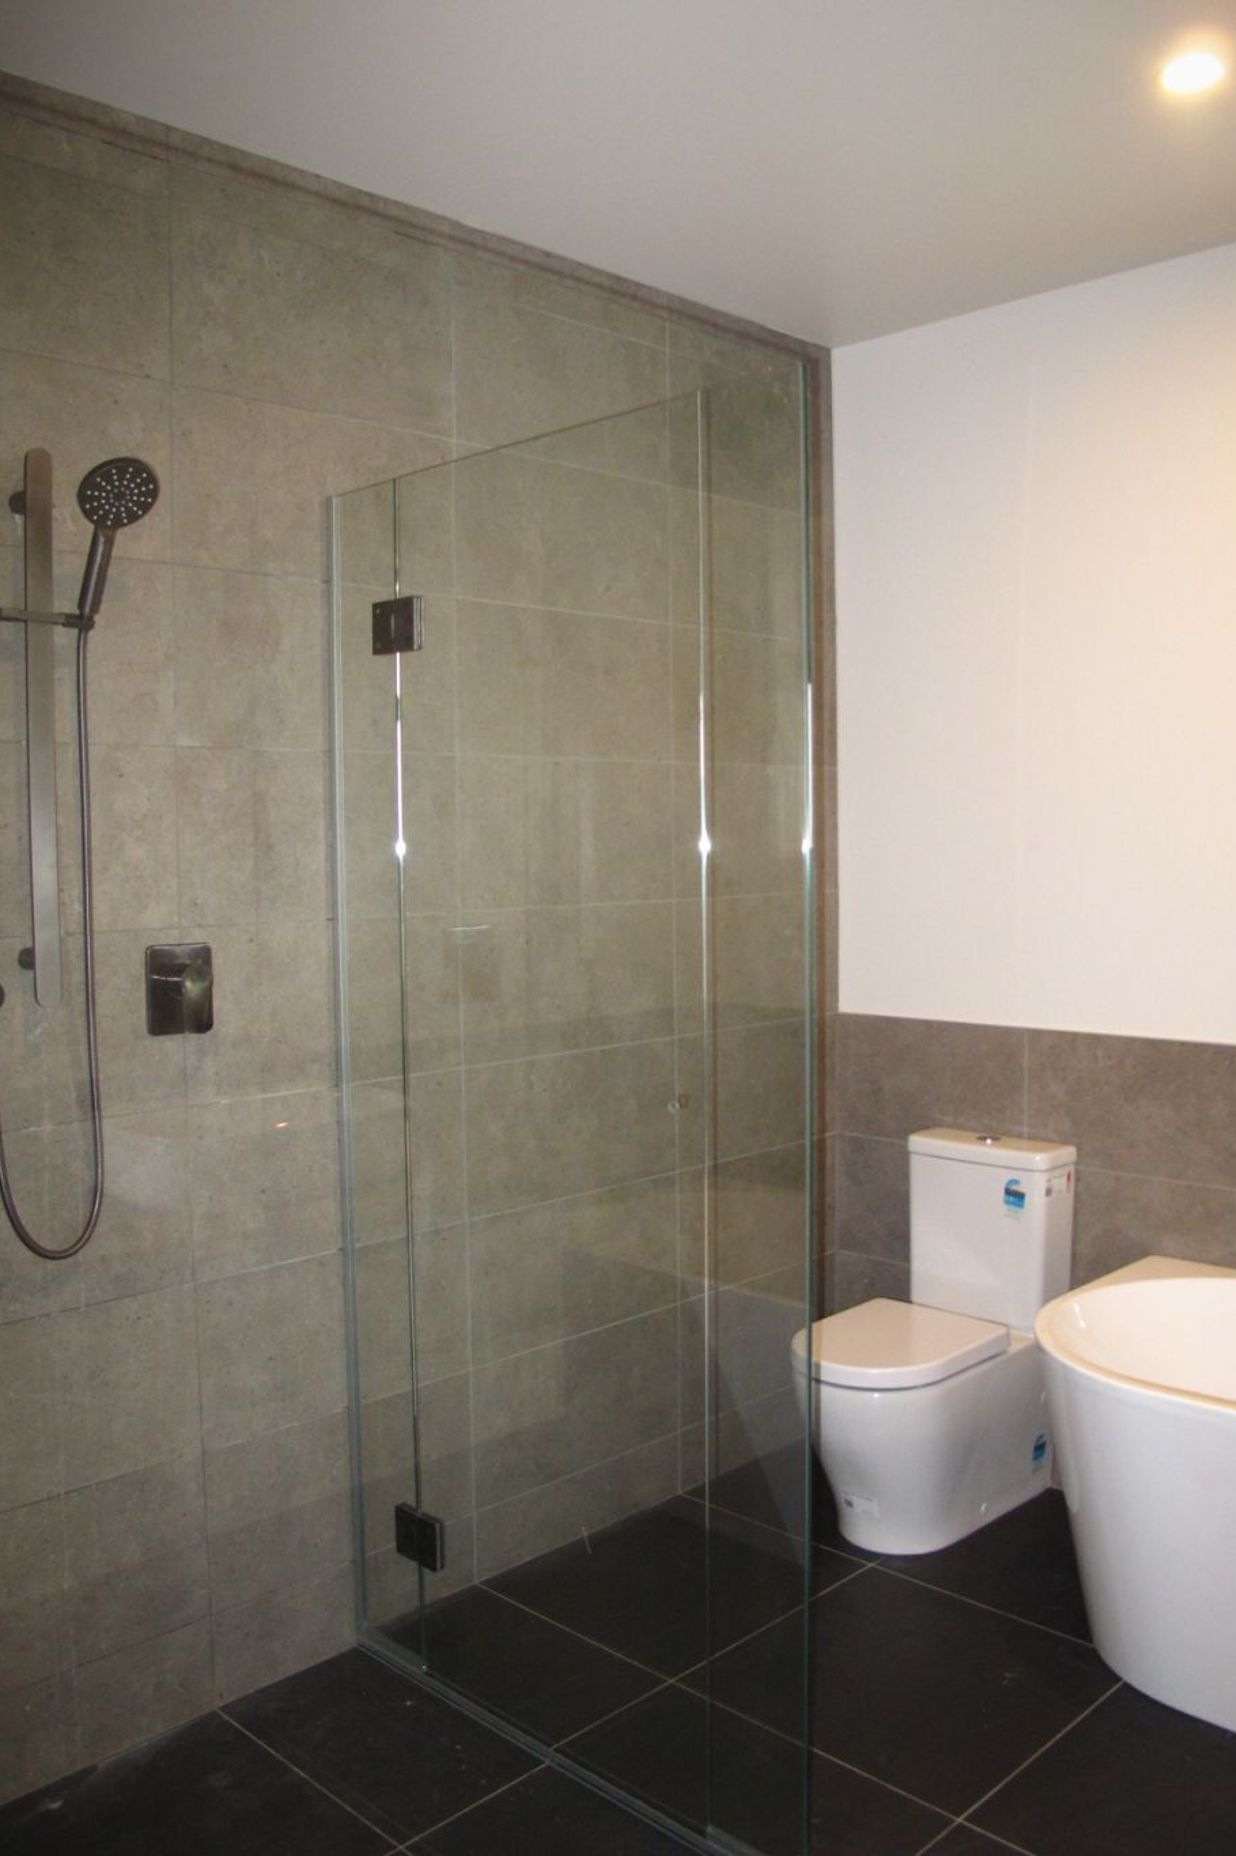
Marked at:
<point>112,495</point>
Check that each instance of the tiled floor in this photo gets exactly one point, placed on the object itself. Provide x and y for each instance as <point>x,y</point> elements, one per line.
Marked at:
<point>959,1709</point>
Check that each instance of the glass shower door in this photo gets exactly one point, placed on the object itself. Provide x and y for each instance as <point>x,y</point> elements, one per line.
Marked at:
<point>563,1064</point>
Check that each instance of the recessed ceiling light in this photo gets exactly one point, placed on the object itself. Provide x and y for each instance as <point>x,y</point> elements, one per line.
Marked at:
<point>1191,72</point>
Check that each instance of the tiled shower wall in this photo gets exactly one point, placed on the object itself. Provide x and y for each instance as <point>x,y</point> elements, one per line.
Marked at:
<point>1153,1122</point>
<point>173,1503</point>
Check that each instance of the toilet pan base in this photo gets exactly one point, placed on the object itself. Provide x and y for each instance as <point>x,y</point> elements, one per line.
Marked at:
<point>915,1471</point>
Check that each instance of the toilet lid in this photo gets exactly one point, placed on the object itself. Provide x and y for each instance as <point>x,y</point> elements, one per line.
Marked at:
<point>887,1346</point>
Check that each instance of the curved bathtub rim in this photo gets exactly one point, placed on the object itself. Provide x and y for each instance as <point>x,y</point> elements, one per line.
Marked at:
<point>1058,1351</point>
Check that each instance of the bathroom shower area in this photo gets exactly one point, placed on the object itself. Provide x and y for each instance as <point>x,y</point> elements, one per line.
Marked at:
<point>573,716</point>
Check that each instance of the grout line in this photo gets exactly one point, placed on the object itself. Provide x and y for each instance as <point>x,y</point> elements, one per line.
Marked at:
<point>998,1843</point>
<point>658,1675</point>
<point>419,1841</point>
<point>301,1773</point>
<point>1008,1778</point>
<point>979,1604</point>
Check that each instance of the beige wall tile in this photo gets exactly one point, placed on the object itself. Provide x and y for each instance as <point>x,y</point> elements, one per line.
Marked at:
<point>520,371</point>
<point>290,793</point>
<point>271,1349</point>
<point>38,1736</point>
<point>135,1551</point>
<point>756,973</point>
<point>214,810</point>
<point>33,1638</point>
<point>562,684</point>
<point>274,1023</point>
<point>280,1633</point>
<point>1137,1105</point>
<point>131,691</point>
<point>1121,1217</point>
<point>754,710</point>
<point>537,533</point>
<point>558,1409</point>
<point>263,1181</point>
<point>82,415</point>
<point>899,1074</point>
<point>547,1517</point>
<point>537,980</point>
<point>857,1278</point>
<point>250,654</point>
<point>108,304</point>
<point>759,1210</point>
<point>268,312</point>
<point>504,280</point>
<point>552,1126</point>
<point>551,1271</point>
<point>127,1384</point>
<point>873,1197</point>
<point>252,478</point>
<point>142,1241</point>
<point>755,824</point>
<point>277,1509</point>
<point>142,1690</point>
<point>435,1123</point>
<point>548,831</point>
<point>29,1419</point>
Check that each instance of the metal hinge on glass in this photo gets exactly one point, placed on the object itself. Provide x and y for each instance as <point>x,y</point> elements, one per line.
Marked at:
<point>420,1537</point>
<point>398,625</point>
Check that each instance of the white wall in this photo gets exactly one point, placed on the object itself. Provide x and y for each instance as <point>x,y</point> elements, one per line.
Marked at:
<point>1036,518</point>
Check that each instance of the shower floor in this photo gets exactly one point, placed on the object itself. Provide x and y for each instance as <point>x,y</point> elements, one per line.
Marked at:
<point>959,1708</point>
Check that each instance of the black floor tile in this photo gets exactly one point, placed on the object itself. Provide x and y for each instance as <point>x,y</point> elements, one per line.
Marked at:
<point>916,1687</point>
<point>205,1790</point>
<point>545,1680</point>
<point>656,1589</point>
<point>398,1755</point>
<point>964,1840</point>
<point>553,1816</point>
<point>1023,1563</point>
<point>749,1782</point>
<point>1133,1779</point>
<point>771,1490</point>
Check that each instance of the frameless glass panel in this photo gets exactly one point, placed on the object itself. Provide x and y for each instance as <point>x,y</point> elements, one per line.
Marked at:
<point>572,999</point>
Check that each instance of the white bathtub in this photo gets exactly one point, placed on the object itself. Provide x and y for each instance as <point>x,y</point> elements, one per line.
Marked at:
<point>1141,1386</point>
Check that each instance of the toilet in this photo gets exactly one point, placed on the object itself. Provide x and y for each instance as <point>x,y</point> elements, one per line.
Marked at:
<point>929,1417</point>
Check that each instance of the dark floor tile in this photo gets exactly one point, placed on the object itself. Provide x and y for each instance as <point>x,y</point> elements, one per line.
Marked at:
<point>1023,1563</point>
<point>1133,1779</point>
<point>964,1840</point>
<point>771,1490</point>
<point>915,1687</point>
<point>553,1816</point>
<point>204,1790</point>
<point>392,1751</point>
<point>665,1750</point>
<point>664,1588</point>
<point>545,1680</point>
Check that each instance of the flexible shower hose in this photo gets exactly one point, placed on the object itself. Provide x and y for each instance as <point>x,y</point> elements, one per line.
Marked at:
<point>92,1030</point>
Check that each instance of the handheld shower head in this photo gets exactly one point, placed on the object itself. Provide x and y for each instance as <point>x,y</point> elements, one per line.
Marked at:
<point>112,495</point>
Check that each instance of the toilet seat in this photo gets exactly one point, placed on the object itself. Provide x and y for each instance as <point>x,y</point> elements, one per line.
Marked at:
<point>889,1346</point>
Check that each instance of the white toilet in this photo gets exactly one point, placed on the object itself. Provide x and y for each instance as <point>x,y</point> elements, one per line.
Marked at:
<point>930,1416</point>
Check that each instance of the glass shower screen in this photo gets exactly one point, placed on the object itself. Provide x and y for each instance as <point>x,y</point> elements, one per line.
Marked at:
<point>575,1011</point>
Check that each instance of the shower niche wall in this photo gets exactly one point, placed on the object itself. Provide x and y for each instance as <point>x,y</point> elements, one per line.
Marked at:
<point>575,892</point>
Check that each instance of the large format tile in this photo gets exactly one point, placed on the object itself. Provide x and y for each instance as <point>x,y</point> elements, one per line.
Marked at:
<point>274,1503</point>
<point>1137,1105</point>
<point>107,306</point>
<point>1023,1564</point>
<point>575,1122</point>
<point>280,1632</point>
<point>717,1770</point>
<point>545,1681</point>
<point>271,1349</point>
<point>142,1690</point>
<point>557,1409</point>
<point>135,1556</point>
<point>268,311</point>
<point>204,1789</point>
<point>547,1271</point>
<point>397,1755</point>
<point>873,1197</point>
<point>666,1591</point>
<point>1121,1217</point>
<point>919,1689</point>
<point>29,1420</point>
<point>543,1517</point>
<point>1132,1779</point>
<point>128,1384</point>
<point>33,1638</point>
<point>899,1074</point>
<point>555,1816</point>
